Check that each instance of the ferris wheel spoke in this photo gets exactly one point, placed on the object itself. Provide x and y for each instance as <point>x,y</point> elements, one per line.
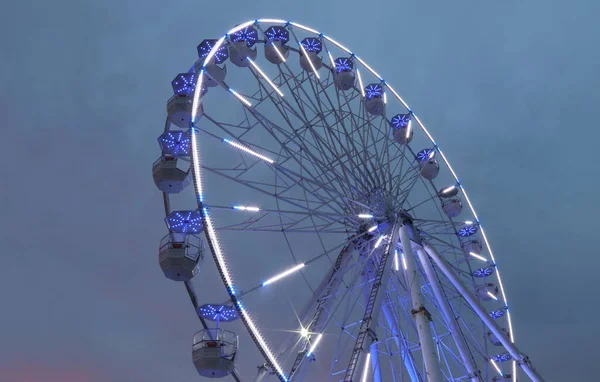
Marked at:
<point>316,136</point>
<point>315,162</point>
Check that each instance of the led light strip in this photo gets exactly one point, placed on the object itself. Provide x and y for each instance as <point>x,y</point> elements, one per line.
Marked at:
<point>259,70</point>
<point>309,61</point>
<point>249,151</point>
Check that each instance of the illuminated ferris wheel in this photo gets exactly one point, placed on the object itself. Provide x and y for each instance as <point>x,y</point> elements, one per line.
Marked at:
<point>348,248</point>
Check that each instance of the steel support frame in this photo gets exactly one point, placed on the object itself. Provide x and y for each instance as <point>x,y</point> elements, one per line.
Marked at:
<point>512,349</point>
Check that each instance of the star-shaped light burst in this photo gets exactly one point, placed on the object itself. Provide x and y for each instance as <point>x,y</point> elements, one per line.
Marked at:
<point>483,272</point>
<point>248,34</point>
<point>497,313</point>
<point>467,231</point>
<point>218,313</point>
<point>278,33</point>
<point>425,154</point>
<point>184,221</point>
<point>312,44</point>
<point>374,91</point>
<point>184,83</point>
<point>400,120</point>
<point>343,64</point>
<point>502,357</point>
<point>175,143</point>
<point>206,46</point>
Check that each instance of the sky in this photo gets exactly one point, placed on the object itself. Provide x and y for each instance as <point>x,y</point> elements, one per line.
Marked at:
<point>508,89</point>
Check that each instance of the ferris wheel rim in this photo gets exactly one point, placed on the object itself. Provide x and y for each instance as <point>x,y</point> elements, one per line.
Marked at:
<point>196,172</point>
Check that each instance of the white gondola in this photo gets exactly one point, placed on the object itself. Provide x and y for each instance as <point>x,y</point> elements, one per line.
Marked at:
<point>487,292</point>
<point>168,176</point>
<point>495,340</point>
<point>400,134</point>
<point>308,59</point>
<point>239,52</point>
<point>344,74</point>
<point>430,168</point>
<point>180,256</point>
<point>276,52</point>
<point>214,352</point>
<point>452,207</point>
<point>471,247</point>
<point>179,109</point>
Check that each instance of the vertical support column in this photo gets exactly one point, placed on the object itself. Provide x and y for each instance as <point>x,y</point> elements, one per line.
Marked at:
<point>474,373</point>
<point>519,357</point>
<point>406,356</point>
<point>375,362</point>
<point>432,365</point>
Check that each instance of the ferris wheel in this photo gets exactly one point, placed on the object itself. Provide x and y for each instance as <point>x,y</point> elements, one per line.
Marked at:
<point>348,248</point>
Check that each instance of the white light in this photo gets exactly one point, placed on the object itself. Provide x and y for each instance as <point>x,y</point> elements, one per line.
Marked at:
<point>408,126</point>
<point>197,92</point>
<point>304,27</point>
<point>275,21</point>
<point>372,229</point>
<point>314,345</point>
<point>492,296</point>
<point>477,256</point>
<point>278,52</point>
<point>246,208</point>
<point>366,369</point>
<point>431,154</point>
<point>283,274</point>
<point>245,149</point>
<point>263,343</point>
<point>396,265</point>
<point>240,97</point>
<point>360,83</point>
<point>217,248</point>
<point>337,44</point>
<point>369,68</point>
<point>448,189</point>
<point>496,367</point>
<point>331,59</point>
<point>309,61</point>
<point>365,216</point>
<point>403,262</point>
<point>384,97</point>
<point>378,242</point>
<point>196,165</point>
<point>304,332</point>
<point>240,27</point>
<point>265,76</point>
<point>468,222</point>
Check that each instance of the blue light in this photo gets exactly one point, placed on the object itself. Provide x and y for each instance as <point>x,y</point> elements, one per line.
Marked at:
<point>467,231</point>
<point>312,44</point>
<point>184,221</point>
<point>343,64</point>
<point>495,314</point>
<point>502,357</point>
<point>400,120</point>
<point>206,46</point>
<point>424,155</point>
<point>175,143</point>
<point>215,312</point>
<point>483,272</point>
<point>184,84</point>
<point>278,33</point>
<point>374,91</point>
<point>248,34</point>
